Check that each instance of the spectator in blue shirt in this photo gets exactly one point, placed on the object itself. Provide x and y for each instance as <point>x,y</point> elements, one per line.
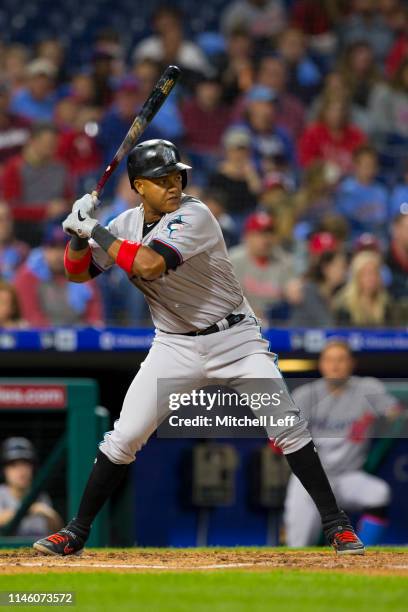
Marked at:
<point>268,139</point>
<point>361,199</point>
<point>12,251</point>
<point>37,100</point>
<point>304,76</point>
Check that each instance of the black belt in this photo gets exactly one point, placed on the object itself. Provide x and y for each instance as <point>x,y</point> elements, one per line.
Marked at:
<point>231,320</point>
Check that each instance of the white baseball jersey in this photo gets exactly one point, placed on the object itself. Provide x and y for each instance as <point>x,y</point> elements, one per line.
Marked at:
<point>336,421</point>
<point>196,294</point>
<point>32,524</point>
<point>198,289</point>
<point>339,424</point>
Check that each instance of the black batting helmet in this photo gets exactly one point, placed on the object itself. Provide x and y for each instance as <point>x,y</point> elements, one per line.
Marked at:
<point>155,158</point>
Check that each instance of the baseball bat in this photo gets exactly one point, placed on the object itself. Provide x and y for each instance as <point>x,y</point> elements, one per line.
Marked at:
<point>159,94</point>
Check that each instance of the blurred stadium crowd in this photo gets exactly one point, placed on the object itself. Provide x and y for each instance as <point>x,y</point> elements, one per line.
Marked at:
<point>294,116</point>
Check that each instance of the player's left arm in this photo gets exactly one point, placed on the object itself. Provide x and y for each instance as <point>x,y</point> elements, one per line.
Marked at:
<point>382,403</point>
<point>136,259</point>
<point>189,231</point>
<point>133,257</point>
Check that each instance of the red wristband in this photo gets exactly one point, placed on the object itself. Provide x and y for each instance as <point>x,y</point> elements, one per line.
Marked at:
<point>126,255</point>
<point>77,266</point>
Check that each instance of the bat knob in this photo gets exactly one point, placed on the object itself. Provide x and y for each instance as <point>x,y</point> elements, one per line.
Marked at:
<point>172,72</point>
<point>95,197</point>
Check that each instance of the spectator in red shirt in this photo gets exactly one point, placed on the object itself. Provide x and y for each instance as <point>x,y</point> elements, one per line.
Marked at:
<point>317,20</point>
<point>399,49</point>
<point>332,138</point>
<point>205,117</point>
<point>397,54</point>
<point>46,297</point>
<point>14,130</point>
<point>36,183</point>
<point>77,145</point>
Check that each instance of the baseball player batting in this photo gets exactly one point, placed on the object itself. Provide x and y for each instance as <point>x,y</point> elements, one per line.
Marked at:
<point>172,249</point>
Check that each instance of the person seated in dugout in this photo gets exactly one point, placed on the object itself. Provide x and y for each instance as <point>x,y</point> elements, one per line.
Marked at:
<point>340,409</point>
<point>19,459</point>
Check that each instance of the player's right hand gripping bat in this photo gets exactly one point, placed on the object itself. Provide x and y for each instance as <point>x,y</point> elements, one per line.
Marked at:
<point>149,109</point>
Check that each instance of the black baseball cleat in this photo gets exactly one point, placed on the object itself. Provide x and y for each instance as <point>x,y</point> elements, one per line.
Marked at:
<point>344,539</point>
<point>64,542</point>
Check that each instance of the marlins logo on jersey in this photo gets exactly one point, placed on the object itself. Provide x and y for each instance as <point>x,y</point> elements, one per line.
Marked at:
<point>175,224</point>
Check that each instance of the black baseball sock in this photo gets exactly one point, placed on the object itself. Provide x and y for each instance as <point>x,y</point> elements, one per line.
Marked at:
<point>103,480</point>
<point>305,464</point>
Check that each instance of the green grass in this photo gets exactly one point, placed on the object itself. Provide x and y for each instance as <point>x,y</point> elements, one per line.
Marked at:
<point>296,591</point>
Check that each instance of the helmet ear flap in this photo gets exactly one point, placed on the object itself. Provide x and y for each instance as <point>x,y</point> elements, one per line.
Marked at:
<point>131,176</point>
<point>183,178</point>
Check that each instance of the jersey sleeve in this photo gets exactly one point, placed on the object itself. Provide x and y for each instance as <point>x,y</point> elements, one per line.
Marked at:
<point>376,395</point>
<point>302,397</point>
<point>4,498</point>
<point>188,232</point>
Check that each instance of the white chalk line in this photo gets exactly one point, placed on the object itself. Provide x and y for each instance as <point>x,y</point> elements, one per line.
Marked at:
<point>82,565</point>
<point>126,565</point>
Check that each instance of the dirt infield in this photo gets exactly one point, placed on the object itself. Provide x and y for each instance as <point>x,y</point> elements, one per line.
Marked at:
<point>376,562</point>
